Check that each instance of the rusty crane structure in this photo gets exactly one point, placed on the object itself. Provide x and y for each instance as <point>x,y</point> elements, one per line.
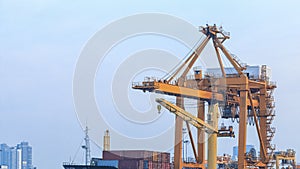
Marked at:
<point>237,95</point>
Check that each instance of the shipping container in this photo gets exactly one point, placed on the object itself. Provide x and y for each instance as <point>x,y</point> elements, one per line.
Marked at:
<point>150,165</point>
<point>165,157</point>
<point>159,157</point>
<point>108,163</point>
<point>167,165</point>
<point>155,156</point>
<point>146,164</point>
<point>154,165</point>
<point>138,159</point>
<point>159,165</point>
<point>131,154</point>
<point>148,155</point>
<point>128,164</point>
<point>141,164</point>
<point>110,155</point>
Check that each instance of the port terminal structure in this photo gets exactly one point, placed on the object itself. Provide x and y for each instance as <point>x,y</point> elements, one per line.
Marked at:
<point>237,95</point>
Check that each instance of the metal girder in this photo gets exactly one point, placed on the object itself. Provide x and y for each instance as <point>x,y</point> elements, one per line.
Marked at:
<point>201,132</point>
<point>243,125</point>
<point>178,136</point>
<point>191,60</point>
<point>174,90</point>
<point>261,141</point>
<point>229,57</point>
<point>192,141</point>
<point>186,116</point>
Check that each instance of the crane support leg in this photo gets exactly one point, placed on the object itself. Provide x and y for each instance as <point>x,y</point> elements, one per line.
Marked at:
<point>201,133</point>
<point>178,136</point>
<point>263,121</point>
<point>243,124</point>
<point>212,140</point>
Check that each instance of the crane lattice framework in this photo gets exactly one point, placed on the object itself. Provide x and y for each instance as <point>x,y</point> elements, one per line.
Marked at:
<point>238,95</point>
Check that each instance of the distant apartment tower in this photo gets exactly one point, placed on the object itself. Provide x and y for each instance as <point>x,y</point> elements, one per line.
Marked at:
<point>13,158</point>
<point>5,155</point>
<point>24,156</point>
<point>18,157</point>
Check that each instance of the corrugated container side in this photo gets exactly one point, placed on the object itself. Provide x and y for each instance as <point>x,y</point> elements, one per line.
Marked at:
<point>166,165</point>
<point>150,165</point>
<point>148,155</point>
<point>135,154</point>
<point>107,155</point>
<point>159,158</point>
<point>163,165</point>
<point>130,154</point>
<point>108,163</point>
<point>155,156</point>
<point>128,164</point>
<point>141,164</point>
<point>146,164</point>
<point>155,165</point>
<point>165,157</point>
<point>159,165</point>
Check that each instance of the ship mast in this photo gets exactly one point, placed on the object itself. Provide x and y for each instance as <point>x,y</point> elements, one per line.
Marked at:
<point>87,147</point>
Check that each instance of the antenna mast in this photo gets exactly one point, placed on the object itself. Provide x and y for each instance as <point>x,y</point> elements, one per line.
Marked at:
<point>87,147</point>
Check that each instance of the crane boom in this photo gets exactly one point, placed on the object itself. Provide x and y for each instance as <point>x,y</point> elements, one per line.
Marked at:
<point>186,116</point>
<point>174,90</point>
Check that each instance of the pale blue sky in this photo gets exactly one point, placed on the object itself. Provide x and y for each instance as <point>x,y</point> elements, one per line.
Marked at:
<point>40,42</point>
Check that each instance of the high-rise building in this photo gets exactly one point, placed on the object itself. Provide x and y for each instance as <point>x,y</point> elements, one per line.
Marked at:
<point>18,157</point>
<point>235,151</point>
<point>13,159</point>
<point>4,155</point>
<point>26,155</point>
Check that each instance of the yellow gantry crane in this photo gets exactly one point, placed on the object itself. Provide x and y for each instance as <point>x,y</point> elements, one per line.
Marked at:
<point>238,95</point>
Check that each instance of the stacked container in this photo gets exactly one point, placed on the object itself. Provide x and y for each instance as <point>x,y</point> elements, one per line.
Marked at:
<point>139,159</point>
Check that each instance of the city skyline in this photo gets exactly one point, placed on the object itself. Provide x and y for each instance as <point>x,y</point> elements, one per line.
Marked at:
<point>16,157</point>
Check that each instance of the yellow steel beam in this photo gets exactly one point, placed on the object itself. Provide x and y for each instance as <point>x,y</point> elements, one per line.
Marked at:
<point>261,141</point>
<point>186,116</point>
<point>263,120</point>
<point>196,56</point>
<point>229,57</point>
<point>243,125</point>
<point>212,145</point>
<point>178,136</point>
<point>189,92</point>
<point>192,141</point>
<point>193,165</point>
<point>255,84</point>
<point>201,133</point>
<point>220,61</point>
<point>169,89</point>
<point>191,60</point>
